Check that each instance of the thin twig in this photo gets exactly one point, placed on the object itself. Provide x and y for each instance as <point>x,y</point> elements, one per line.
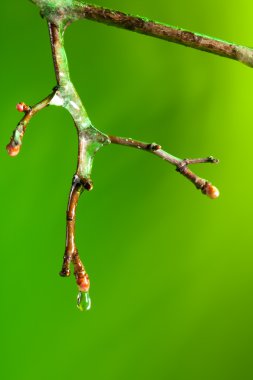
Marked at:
<point>71,252</point>
<point>15,143</point>
<point>181,164</point>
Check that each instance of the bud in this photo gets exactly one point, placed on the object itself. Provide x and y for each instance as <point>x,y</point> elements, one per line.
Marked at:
<point>22,107</point>
<point>88,184</point>
<point>212,191</point>
<point>13,150</point>
<point>83,283</point>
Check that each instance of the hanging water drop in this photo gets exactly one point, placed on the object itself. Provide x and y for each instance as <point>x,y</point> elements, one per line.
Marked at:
<point>83,301</point>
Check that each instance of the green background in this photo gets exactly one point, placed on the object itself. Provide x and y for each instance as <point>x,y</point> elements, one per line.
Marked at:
<point>170,269</point>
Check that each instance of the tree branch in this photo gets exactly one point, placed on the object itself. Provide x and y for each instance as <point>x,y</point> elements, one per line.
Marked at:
<point>71,253</point>
<point>78,186</point>
<point>15,143</point>
<point>90,140</point>
<point>59,14</point>
<point>70,11</point>
<point>181,164</point>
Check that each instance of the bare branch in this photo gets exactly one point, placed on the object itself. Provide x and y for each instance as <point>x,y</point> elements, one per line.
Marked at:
<point>181,164</point>
<point>71,253</point>
<point>15,143</point>
<point>59,14</point>
<point>78,186</point>
<point>142,25</point>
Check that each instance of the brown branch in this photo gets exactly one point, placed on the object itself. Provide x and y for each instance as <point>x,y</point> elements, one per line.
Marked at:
<point>181,164</point>
<point>15,143</point>
<point>151,28</point>
<point>71,252</point>
<point>90,140</point>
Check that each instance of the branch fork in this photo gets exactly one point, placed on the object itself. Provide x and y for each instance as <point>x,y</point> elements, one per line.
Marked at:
<point>59,14</point>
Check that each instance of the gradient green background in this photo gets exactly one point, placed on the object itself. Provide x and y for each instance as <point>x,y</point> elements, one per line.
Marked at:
<point>171,270</point>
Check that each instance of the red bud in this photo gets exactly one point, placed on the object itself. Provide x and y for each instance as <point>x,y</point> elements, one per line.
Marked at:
<point>212,191</point>
<point>13,150</point>
<point>22,107</point>
<point>84,283</point>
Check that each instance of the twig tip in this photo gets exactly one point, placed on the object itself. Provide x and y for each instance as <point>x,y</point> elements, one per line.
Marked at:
<point>64,272</point>
<point>211,191</point>
<point>22,107</point>
<point>13,150</point>
<point>83,283</point>
<point>213,160</point>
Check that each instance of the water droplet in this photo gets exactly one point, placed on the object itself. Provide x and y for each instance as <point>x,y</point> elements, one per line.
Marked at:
<point>83,301</point>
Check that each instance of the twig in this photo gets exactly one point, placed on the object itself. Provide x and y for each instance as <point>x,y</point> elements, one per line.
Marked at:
<point>68,13</point>
<point>71,252</point>
<point>90,140</point>
<point>15,143</point>
<point>78,186</point>
<point>181,164</point>
<point>59,14</point>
